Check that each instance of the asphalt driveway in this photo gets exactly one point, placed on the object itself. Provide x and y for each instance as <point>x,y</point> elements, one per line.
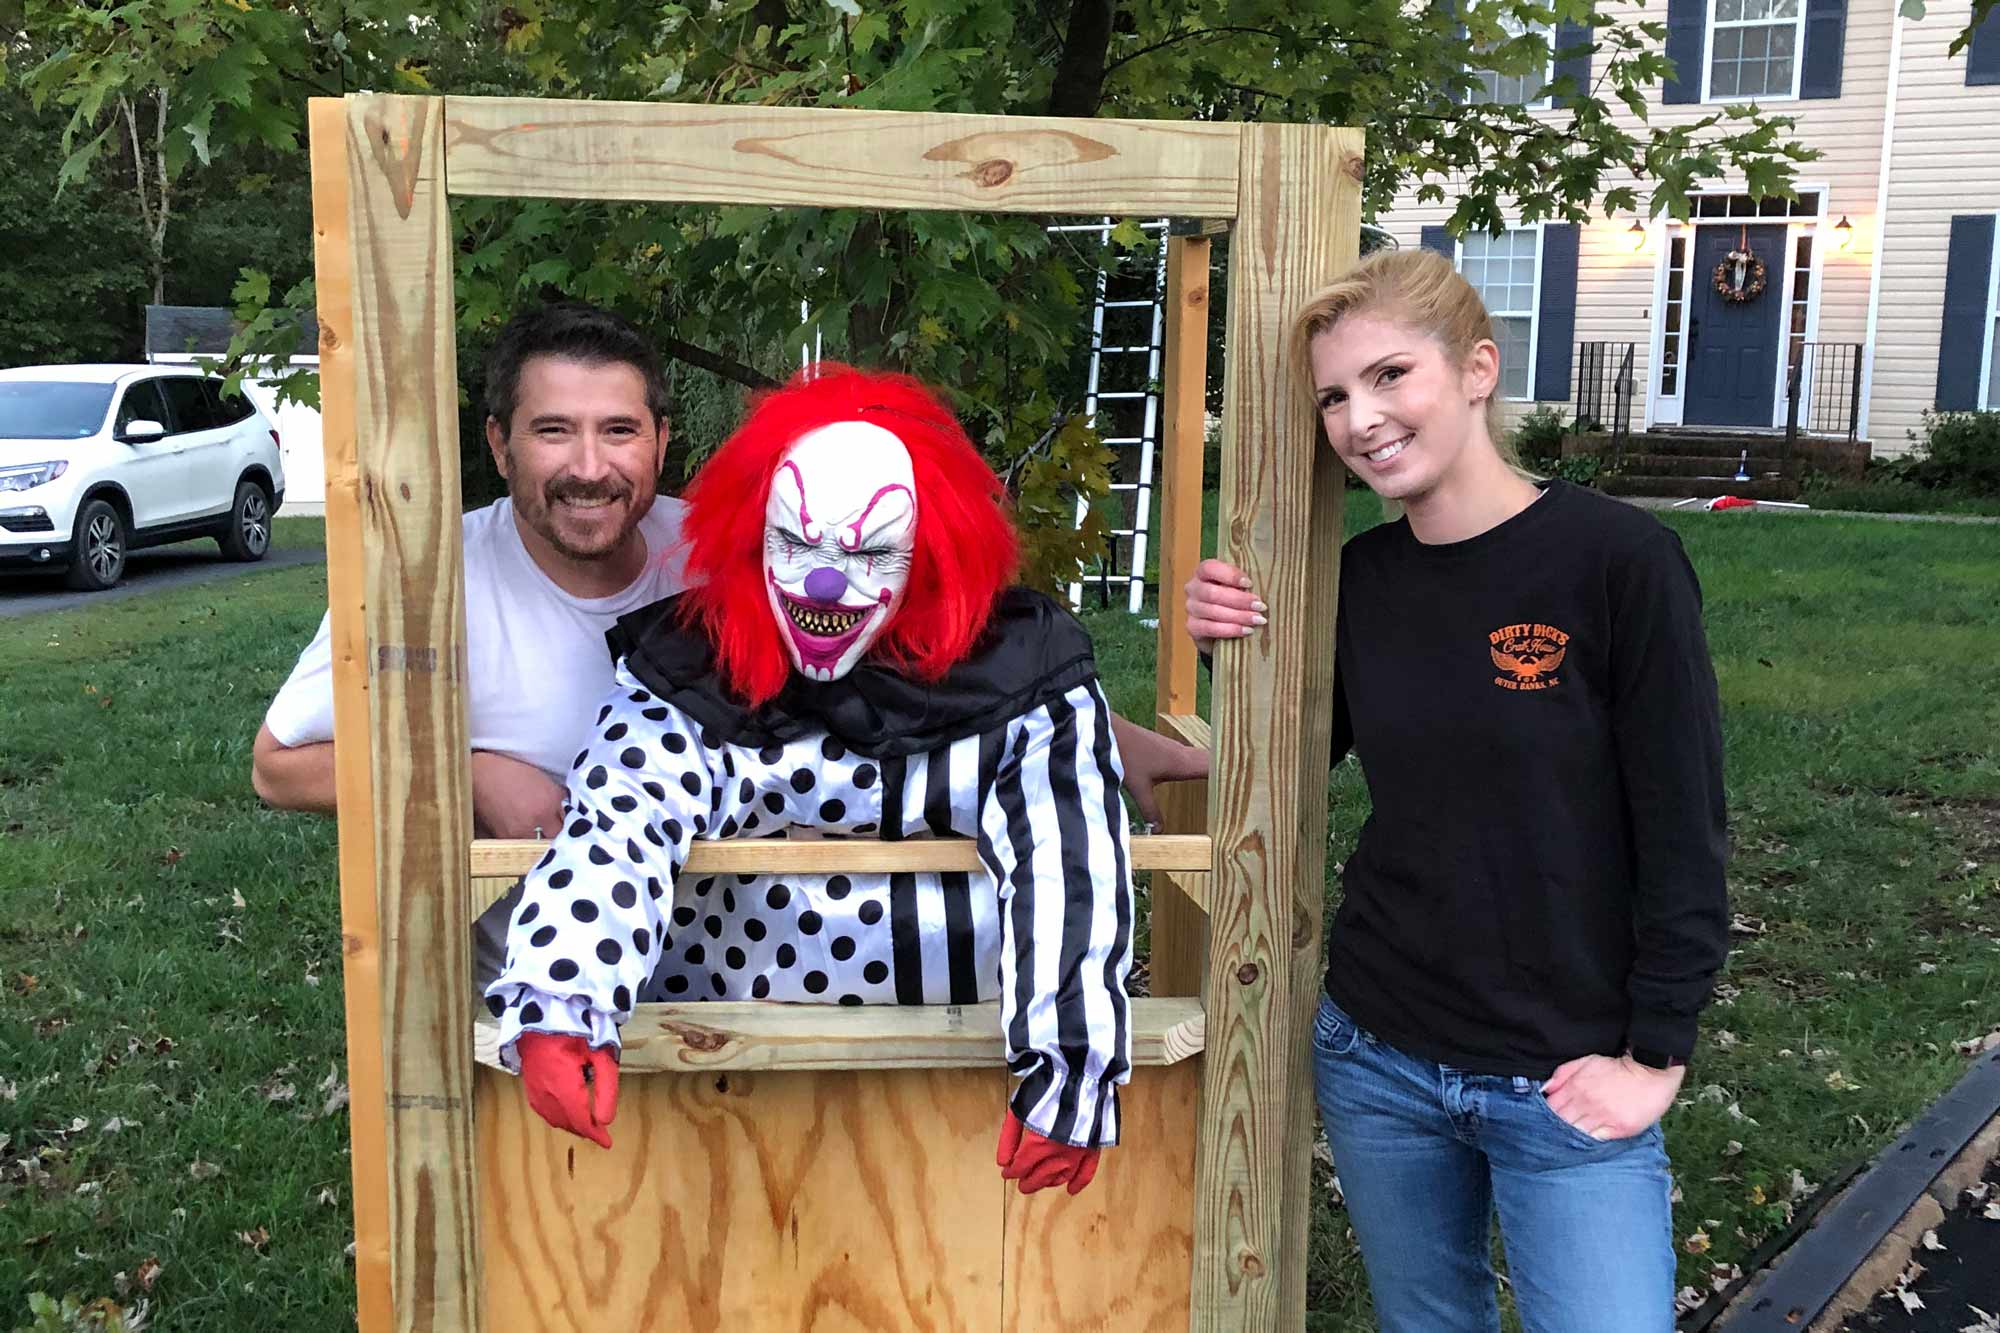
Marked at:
<point>145,571</point>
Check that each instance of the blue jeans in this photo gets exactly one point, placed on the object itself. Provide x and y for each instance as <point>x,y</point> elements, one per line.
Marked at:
<point>1425,1153</point>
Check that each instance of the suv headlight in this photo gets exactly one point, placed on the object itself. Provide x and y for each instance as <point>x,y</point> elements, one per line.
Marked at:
<point>31,476</point>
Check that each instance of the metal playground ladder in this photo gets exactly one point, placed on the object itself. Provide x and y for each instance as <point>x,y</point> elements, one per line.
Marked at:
<point>1132,415</point>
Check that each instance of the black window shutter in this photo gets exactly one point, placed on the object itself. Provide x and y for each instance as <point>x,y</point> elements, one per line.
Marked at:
<point>1826,43</point>
<point>1556,336</point>
<point>1982,58</point>
<point>1573,57</point>
<point>1967,276</point>
<point>1687,43</point>
<point>1439,239</point>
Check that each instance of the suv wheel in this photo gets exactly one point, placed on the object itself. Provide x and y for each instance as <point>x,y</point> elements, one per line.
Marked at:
<point>248,535</point>
<point>99,559</point>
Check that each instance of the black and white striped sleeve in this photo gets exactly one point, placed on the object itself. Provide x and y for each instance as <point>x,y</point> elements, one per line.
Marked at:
<point>1052,831</point>
<point>591,921</point>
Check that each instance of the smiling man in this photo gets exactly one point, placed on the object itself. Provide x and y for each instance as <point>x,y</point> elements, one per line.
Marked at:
<point>577,423</point>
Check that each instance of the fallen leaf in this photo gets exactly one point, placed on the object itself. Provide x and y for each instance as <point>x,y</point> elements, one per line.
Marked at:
<point>117,1124</point>
<point>1931,1242</point>
<point>1725,1038</point>
<point>1733,1148</point>
<point>173,857</point>
<point>149,1272</point>
<point>1925,969</point>
<point>201,1170</point>
<point>1992,1213</point>
<point>1696,1243</point>
<point>1839,1082</point>
<point>1911,1301</point>
<point>279,1092</point>
<point>258,1240</point>
<point>335,1101</point>
<point>1686,1299</point>
<point>236,899</point>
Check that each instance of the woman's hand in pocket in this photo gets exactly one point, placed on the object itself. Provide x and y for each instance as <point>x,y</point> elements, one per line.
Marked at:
<point>1611,1097</point>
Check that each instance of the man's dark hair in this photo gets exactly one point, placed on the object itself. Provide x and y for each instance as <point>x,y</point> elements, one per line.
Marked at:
<point>575,331</point>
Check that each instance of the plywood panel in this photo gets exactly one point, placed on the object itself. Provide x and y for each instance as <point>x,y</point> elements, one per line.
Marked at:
<point>822,1203</point>
<point>811,157</point>
<point>1272,715</point>
<point>1117,1256</point>
<point>412,598</point>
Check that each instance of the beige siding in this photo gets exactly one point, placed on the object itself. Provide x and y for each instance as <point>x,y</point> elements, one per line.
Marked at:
<point>1946,160</point>
<point>1616,287</point>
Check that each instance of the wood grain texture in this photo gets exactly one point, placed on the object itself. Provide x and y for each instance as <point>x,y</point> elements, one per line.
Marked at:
<point>407,461</point>
<point>755,1035</point>
<point>1185,384</point>
<point>1187,728</point>
<point>823,1203</point>
<point>827,1203</point>
<point>353,778</point>
<point>1280,521</point>
<point>804,856</point>
<point>1116,1257</point>
<point>1177,963</point>
<point>810,157</point>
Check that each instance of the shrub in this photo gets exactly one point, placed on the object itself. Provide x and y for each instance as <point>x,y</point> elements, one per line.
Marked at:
<point>1538,437</point>
<point>1957,451</point>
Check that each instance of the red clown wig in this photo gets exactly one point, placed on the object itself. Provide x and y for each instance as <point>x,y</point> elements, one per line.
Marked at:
<point>965,546</point>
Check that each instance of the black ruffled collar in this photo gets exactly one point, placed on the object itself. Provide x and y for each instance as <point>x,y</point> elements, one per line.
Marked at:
<point>1031,652</point>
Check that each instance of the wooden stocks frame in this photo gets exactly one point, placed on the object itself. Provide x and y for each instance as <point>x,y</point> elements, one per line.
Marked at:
<point>471,1215</point>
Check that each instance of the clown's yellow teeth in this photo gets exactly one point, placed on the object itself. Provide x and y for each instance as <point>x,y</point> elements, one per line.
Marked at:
<point>826,624</point>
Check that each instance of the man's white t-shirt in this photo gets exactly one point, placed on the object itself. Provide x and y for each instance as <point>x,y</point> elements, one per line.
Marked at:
<point>539,664</point>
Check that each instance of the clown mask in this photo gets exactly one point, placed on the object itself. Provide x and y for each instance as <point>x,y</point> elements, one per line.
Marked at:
<point>839,530</point>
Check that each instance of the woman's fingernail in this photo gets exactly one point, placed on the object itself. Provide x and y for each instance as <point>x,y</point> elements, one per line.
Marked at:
<point>1259,620</point>
<point>1259,606</point>
<point>1241,630</point>
<point>1244,583</point>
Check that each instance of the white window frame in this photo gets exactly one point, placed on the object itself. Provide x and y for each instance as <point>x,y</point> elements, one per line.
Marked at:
<point>1534,309</point>
<point>1989,392</point>
<point>1547,100</point>
<point>1708,62</point>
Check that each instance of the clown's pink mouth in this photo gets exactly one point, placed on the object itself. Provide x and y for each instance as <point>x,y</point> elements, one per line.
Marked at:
<point>822,631</point>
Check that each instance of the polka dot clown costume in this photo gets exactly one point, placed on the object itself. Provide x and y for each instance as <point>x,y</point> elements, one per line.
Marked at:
<point>848,664</point>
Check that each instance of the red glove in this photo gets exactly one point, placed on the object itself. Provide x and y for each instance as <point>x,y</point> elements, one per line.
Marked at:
<point>1039,1163</point>
<point>560,1074</point>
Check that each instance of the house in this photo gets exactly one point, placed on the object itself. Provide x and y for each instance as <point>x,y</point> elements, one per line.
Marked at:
<point>1865,300</point>
<point>180,334</point>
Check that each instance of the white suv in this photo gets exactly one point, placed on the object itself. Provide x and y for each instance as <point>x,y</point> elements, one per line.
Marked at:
<point>97,461</point>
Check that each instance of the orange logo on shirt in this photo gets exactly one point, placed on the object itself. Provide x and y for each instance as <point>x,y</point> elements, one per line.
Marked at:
<point>1528,655</point>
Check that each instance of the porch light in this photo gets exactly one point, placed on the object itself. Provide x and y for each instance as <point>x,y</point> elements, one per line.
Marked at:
<point>1843,233</point>
<point>1637,231</point>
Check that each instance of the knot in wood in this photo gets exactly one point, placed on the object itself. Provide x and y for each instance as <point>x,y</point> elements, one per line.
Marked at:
<point>993,171</point>
<point>1247,973</point>
<point>1253,1266</point>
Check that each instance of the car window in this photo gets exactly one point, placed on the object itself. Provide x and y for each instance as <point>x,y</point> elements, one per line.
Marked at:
<point>189,403</point>
<point>51,409</point>
<point>142,402</point>
<point>229,408</point>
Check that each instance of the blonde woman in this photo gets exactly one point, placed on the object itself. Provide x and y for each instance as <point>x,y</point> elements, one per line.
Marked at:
<point>1535,912</point>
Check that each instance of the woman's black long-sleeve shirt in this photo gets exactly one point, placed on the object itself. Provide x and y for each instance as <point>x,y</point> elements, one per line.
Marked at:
<point>1536,715</point>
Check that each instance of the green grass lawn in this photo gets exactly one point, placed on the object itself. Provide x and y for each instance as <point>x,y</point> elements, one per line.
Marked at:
<point>171,1057</point>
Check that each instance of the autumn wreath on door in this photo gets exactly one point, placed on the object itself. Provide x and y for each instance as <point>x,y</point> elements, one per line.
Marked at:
<point>1740,276</point>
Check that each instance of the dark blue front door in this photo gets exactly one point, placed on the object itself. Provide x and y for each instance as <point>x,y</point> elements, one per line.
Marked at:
<point>1733,345</point>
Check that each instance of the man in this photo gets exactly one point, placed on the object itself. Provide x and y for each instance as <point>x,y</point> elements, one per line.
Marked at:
<point>577,424</point>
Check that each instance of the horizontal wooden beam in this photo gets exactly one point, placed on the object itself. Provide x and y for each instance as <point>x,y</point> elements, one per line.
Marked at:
<point>1187,728</point>
<point>803,856</point>
<point>700,1038</point>
<point>671,152</point>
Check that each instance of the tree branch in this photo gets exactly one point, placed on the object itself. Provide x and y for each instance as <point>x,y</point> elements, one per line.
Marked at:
<point>715,364</point>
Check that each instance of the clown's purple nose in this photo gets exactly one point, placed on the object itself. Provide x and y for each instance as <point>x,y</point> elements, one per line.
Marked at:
<point>826,584</point>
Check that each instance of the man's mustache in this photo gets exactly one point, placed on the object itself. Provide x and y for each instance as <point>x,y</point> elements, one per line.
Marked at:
<point>584,492</point>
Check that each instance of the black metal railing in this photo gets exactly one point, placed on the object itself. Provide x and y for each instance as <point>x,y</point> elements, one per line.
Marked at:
<point>1822,391</point>
<point>1604,392</point>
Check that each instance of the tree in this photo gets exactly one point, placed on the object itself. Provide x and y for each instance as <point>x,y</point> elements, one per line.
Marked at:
<point>991,306</point>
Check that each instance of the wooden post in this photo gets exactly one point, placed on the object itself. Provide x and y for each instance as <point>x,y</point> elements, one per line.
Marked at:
<point>1179,928</point>
<point>1299,215</point>
<point>407,461</point>
<point>353,777</point>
